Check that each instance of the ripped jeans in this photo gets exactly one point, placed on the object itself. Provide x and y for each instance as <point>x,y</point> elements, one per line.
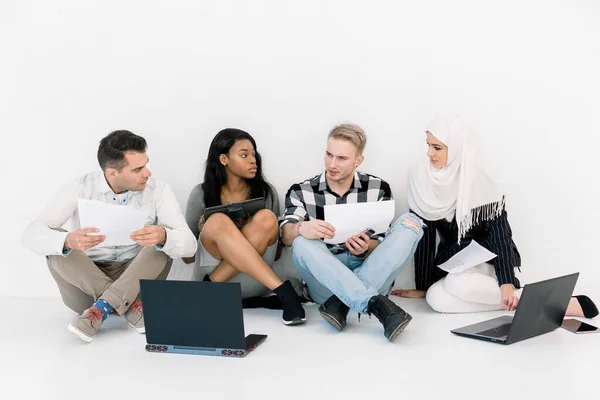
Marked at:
<point>353,280</point>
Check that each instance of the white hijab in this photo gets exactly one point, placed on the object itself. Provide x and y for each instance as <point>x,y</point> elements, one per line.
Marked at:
<point>463,187</point>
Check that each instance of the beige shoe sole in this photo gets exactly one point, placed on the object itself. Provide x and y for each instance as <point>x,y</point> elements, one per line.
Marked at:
<point>141,329</point>
<point>71,328</point>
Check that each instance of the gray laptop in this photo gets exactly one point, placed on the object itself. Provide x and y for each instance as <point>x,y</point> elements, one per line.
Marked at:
<point>541,310</point>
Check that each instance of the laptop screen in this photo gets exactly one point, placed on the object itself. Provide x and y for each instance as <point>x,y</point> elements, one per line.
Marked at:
<point>196,314</point>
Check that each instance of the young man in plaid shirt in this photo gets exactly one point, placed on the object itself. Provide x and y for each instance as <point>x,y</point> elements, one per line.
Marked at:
<point>359,273</point>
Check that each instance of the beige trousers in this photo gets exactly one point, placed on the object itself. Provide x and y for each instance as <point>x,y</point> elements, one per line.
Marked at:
<point>81,281</point>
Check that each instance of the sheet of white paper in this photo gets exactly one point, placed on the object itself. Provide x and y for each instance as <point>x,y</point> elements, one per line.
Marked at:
<point>353,218</point>
<point>114,221</point>
<point>469,257</point>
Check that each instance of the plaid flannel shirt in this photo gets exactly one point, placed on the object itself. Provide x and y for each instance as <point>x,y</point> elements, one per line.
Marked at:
<point>305,201</point>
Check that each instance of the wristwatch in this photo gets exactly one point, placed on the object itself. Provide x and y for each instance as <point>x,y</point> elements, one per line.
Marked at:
<point>363,254</point>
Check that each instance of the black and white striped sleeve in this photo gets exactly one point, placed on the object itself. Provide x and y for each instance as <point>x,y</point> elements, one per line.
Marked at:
<point>295,209</point>
<point>425,274</point>
<point>499,241</point>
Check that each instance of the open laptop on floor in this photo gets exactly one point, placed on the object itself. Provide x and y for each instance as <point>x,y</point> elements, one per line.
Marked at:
<point>541,309</point>
<point>195,318</point>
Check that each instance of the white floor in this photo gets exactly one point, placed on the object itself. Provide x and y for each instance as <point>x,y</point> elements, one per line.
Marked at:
<point>41,360</point>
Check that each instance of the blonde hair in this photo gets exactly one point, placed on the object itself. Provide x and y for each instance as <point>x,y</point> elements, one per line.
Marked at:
<point>351,133</point>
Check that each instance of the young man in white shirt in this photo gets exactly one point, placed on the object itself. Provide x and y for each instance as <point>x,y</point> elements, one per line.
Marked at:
<point>95,280</point>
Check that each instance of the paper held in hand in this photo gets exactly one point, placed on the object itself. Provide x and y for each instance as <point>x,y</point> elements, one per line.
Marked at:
<point>353,218</point>
<point>469,257</point>
<point>115,221</point>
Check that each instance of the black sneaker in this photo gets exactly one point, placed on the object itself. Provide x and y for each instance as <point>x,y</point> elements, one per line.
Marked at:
<point>393,318</point>
<point>334,312</point>
<point>293,312</point>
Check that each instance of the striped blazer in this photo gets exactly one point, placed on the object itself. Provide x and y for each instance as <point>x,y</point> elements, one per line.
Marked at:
<point>494,235</point>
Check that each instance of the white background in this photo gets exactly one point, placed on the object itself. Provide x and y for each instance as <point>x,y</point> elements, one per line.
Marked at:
<point>526,73</point>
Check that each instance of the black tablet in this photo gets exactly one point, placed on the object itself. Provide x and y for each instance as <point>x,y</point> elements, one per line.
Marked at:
<point>237,210</point>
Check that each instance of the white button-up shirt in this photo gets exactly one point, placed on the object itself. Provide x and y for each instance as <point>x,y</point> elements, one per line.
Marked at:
<point>157,198</point>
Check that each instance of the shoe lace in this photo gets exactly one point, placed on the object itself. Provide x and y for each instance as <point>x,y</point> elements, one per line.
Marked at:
<point>383,309</point>
<point>137,308</point>
<point>359,314</point>
<point>93,314</point>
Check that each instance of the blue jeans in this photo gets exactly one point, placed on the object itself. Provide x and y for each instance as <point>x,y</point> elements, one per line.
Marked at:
<point>353,280</point>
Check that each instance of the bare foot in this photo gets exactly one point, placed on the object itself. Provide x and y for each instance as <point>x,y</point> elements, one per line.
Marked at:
<point>410,293</point>
<point>574,308</point>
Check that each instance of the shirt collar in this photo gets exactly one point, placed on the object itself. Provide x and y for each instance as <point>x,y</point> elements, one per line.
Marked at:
<point>103,187</point>
<point>323,182</point>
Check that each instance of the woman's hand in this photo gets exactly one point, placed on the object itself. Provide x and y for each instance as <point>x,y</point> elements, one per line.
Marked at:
<point>409,293</point>
<point>509,300</point>
<point>201,223</point>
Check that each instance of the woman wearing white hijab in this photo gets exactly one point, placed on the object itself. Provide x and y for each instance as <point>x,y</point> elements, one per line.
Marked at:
<point>458,199</point>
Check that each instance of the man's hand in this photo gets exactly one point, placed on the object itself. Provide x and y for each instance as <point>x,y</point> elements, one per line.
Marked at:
<point>316,229</point>
<point>150,236</point>
<point>357,245</point>
<point>509,300</point>
<point>80,240</point>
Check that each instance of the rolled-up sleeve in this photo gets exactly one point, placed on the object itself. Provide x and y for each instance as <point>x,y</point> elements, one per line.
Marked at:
<point>41,236</point>
<point>181,242</point>
<point>295,209</point>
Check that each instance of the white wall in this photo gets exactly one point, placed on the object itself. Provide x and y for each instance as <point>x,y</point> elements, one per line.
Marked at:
<point>525,72</point>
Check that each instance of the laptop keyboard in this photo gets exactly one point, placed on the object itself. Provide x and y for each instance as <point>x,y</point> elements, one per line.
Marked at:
<point>497,332</point>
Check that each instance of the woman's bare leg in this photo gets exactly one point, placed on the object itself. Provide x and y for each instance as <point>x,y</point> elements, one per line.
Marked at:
<point>224,241</point>
<point>261,231</point>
